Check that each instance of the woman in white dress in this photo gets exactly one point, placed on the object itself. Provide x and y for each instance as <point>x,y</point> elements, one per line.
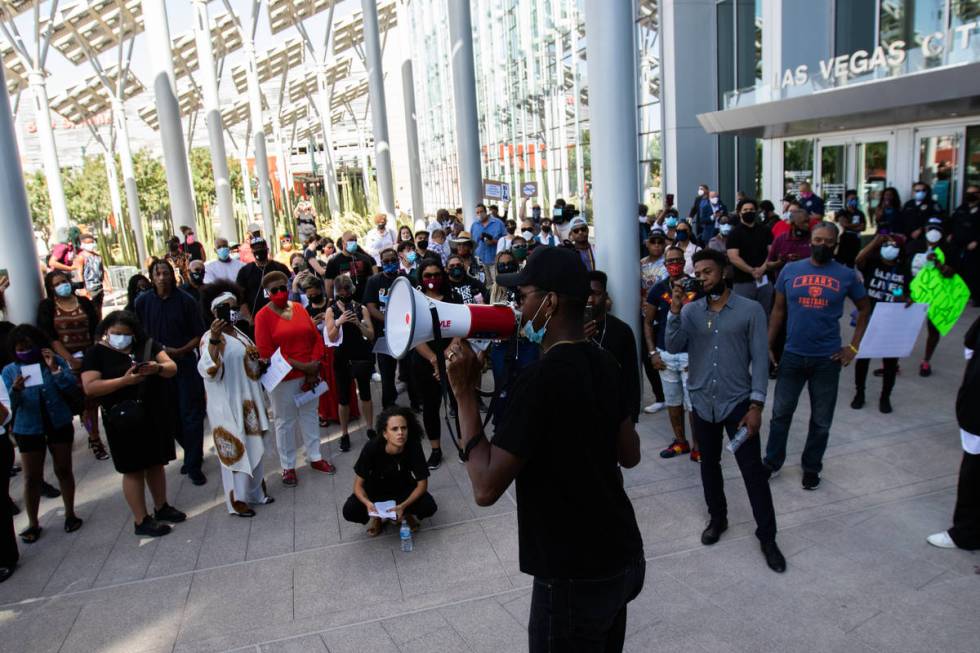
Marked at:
<point>236,402</point>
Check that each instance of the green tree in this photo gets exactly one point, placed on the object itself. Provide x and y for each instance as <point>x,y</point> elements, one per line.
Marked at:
<point>151,182</point>
<point>202,176</point>
<point>87,192</point>
<point>38,201</point>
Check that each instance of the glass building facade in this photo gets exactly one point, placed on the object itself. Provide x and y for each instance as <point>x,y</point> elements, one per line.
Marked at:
<point>530,59</point>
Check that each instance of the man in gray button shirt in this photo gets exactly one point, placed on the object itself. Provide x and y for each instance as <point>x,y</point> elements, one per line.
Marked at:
<point>728,357</point>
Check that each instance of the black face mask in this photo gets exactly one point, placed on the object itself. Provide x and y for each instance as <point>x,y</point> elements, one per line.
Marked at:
<point>197,277</point>
<point>511,230</point>
<point>261,255</point>
<point>456,274</point>
<point>972,198</point>
<point>422,244</point>
<point>821,253</point>
<point>715,291</point>
<point>297,269</point>
<point>747,218</point>
<point>546,228</point>
<point>506,268</point>
<point>316,300</point>
<point>174,247</point>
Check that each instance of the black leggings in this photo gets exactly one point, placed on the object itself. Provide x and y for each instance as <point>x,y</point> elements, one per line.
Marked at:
<point>431,392</point>
<point>344,370</point>
<point>653,376</point>
<point>861,366</point>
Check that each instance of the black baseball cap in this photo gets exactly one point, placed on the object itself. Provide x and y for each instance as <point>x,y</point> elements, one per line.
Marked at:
<point>552,269</point>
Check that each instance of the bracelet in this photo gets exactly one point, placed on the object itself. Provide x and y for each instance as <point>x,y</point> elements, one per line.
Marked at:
<point>853,348</point>
<point>464,455</point>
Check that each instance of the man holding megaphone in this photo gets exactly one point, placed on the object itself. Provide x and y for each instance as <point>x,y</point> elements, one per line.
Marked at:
<point>574,519</point>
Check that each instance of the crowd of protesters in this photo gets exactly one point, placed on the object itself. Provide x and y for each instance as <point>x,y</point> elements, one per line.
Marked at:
<point>730,301</point>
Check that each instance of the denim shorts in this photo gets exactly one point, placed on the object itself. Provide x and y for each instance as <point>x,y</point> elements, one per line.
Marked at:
<point>674,379</point>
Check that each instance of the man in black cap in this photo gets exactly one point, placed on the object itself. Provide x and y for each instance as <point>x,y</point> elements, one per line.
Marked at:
<point>574,520</point>
<point>250,277</point>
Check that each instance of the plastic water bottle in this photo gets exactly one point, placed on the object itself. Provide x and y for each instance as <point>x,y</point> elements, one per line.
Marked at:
<point>741,436</point>
<point>405,534</point>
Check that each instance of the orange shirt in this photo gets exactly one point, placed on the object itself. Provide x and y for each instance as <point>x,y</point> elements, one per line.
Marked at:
<point>297,338</point>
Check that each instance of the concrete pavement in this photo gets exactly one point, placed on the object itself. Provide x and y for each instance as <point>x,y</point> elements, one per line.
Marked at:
<point>860,576</point>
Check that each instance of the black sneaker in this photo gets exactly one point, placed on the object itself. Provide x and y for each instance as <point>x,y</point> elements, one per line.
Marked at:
<point>167,512</point>
<point>197,477</point>
<point>811,480</point>
<point>49,491</point>
<point>885,405</point>
<point>151,528</point>
<point>345,442</point>
<point>858,402</point>
<point>435,459</point>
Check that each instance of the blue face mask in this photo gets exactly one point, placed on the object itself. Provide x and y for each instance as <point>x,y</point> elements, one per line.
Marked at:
<point>223,253</point>
<point>852,204</point>
<point>920,195</point>
<point>63,289</point>
<point>390,268</point>
<point>351,246</point>
<point>671,222</point>
<point>536,335</point>
<point>680,236</point>
<point>889,252</point>
<point>411,256</point>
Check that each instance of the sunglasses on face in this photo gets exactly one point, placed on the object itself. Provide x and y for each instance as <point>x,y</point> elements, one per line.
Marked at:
<point>579,230</point>
<point>275,289</point>
<point>657,241</point>
<point>432,275</point>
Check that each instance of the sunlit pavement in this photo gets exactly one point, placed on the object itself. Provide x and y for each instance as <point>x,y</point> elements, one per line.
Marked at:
<point>860,576</point>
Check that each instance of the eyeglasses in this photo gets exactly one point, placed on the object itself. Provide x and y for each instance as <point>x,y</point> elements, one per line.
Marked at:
<point>274,290</point>
<point>434,275</point>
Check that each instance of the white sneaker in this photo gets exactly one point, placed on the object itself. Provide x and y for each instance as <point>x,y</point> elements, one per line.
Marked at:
<point>942,540</point>
<point>654,408</point>
<point>376,377</point>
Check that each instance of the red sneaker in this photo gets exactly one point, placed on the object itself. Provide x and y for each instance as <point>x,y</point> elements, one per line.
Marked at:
<point>289,477</point>
<point>695,456</point>
<point>323,466</point>
<point>676,448</point>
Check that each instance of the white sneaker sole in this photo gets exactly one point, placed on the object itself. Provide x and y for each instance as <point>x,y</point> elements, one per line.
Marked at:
<point>941,540</point>
<point>654,408</point>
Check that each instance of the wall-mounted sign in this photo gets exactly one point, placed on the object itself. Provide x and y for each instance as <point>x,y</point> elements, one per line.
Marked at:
<point>889,55</point>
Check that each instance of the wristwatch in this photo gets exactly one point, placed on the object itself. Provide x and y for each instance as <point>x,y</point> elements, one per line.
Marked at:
<point>757,404</point>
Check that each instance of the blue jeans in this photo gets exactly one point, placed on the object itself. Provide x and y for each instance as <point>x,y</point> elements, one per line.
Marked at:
<point>583,615</point>
<point>821,376</point>
<point>190,403</point>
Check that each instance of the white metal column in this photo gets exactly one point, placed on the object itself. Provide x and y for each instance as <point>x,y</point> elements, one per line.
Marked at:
<point>379,108</point>
<point>258,137</point>
<point>17,249</point>
<point>182,209</point>
<point>49,151</point>
<point>464,95</point>
<point>212,116</point>
<point>612,79</point>
<point>129,179</point>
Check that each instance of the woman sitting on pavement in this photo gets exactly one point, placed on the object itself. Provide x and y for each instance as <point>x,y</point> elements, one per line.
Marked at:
<point>123,372</point>
<point>42,419</point>
<point>392,468</point>
<point>229,364</point>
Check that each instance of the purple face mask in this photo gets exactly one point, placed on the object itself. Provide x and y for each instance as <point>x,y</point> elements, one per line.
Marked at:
<point>30,356</point>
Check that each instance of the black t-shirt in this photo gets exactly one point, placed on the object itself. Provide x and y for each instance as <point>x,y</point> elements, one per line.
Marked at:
<point>359,267</point>
<point>563,416</point>
<point>883,281</point>
<point>376,292</point>
<point>470,291</point>
<point>390,477</point>
<point>752,244</point>
<point>616,337</point>
<point>194,251</point>
<point>113,364</point>
<point>250,279</point>
<point>355,346</point>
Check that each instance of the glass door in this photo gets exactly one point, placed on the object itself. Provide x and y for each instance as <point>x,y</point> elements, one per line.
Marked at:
<point>860,162</point>
<point>939,163</point>
<point>834,175</point>
<point>871,174</point>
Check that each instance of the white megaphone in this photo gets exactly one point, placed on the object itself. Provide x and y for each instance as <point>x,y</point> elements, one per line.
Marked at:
<point>408,319</point>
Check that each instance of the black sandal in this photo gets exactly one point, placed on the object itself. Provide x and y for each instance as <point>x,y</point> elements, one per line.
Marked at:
<point>72,524</point>
<point>98,449</point>
<point>31,535</point>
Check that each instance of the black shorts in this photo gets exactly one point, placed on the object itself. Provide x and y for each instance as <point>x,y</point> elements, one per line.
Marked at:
<point>345,371</point>
<point>35,443</point>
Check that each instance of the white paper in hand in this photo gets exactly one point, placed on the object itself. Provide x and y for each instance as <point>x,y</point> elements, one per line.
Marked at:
<point>386,510</point>
<point>892,330</point>
<point>303,398</point>
<point>279,367</point>
<point>32,375</point>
